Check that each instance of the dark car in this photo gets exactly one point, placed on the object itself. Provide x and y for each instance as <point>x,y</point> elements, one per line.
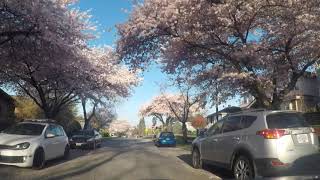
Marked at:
<point>86,139</point>
<point>165,139</point>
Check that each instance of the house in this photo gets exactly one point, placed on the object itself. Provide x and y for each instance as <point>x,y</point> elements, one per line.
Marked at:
<point>305,97</point>
<point>213,118</point>
<point>7,107</point>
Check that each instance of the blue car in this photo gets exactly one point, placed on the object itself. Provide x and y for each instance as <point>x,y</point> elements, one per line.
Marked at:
<point>165,139</point>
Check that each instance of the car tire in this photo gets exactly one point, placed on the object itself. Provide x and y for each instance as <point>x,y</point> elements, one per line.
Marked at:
<point>243,169</point>
<point>196,159</point>
<point>66,153</point>
<point>39,159</point>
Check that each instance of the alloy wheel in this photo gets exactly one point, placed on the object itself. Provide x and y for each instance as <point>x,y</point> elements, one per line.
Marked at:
<point>243,169</point>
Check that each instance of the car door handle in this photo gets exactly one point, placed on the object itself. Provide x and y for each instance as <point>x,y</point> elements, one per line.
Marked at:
<point>236,138</point>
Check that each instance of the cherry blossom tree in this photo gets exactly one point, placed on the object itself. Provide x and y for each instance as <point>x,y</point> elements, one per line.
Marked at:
<point>258,46</point>
<point>103,117</point>
<point>158,109</point>
<point>47,20</point>
<point>119,126</point>
<point>183,106</point>
<point>44,55</point>
<point>180,107</point>
<point>107,81</point>
<point>214,91</point>
<point>41,45</point>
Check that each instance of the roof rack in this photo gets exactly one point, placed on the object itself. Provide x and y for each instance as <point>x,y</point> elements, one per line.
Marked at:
<point>41,120</point>
<point>250,110</point>
<point>254,110</point>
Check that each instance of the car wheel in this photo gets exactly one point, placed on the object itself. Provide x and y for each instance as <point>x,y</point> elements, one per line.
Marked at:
<point>196,159</point>
<point>39,159</point>
<point>66,152</point>
<point>243,169</point>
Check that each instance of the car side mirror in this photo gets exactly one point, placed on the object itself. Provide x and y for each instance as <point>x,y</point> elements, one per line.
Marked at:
<point>203,133</point>
<point>50,135</point>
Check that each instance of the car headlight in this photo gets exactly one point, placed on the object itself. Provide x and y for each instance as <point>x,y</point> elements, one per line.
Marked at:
<point>21,146</point>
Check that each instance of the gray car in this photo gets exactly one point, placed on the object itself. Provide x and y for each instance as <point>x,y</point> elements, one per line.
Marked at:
<point>257,143</point>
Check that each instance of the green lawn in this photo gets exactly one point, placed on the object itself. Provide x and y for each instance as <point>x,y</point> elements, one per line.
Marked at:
<point>181,144</point>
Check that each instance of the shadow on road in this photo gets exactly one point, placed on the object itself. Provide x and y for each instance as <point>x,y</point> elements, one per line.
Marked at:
<point>78,170</point>
<point>222,173</point>
<point>74,154</point>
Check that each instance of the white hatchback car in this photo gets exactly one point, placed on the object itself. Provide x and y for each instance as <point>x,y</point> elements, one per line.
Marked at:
<point>33,142</point>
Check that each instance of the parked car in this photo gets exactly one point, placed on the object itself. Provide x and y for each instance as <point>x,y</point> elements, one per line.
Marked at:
<point>165,139</point>
<point>86,139</point>
<point>32,143</point>
<point>257,143</point>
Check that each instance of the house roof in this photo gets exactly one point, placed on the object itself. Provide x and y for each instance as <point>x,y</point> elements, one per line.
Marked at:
<point>227,110</point>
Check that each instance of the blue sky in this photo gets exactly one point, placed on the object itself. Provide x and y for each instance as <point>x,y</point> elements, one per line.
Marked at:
<point>109,13</point>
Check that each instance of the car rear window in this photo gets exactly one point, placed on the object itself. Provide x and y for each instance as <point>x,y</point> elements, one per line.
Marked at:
<point>286,120</point>
<point>167,135</point>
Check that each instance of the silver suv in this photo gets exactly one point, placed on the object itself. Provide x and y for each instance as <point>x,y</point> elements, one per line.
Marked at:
<point>257,143</point>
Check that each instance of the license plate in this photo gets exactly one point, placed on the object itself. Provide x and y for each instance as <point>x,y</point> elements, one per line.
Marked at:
<point>302,138</point>
<point>78,144</point>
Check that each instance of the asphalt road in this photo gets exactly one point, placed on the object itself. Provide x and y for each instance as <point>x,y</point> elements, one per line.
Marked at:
<point>117,159</point>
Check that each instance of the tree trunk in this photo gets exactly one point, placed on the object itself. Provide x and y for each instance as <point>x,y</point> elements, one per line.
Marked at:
<point>217,110</point>
<point>48,113</point>
<point>276,104</point>
<point>184,132</point>
<point>86,120</point>
<point>170,125</point>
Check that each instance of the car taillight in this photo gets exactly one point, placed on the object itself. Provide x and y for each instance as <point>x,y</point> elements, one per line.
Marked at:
<point>277,162</point>
<point>272,133</point>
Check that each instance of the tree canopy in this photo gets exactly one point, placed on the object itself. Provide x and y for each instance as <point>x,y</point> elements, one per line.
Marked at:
<point>258,46</point>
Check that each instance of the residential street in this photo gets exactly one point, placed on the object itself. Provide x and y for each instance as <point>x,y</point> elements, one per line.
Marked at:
<point>117,159</point>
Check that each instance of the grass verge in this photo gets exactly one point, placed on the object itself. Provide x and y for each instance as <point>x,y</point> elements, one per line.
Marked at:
<point>183,145</point>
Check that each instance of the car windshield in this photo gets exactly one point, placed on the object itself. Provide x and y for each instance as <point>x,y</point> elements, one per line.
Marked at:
<point>84,133</point>
<point>25,129</point>
<point>167,135</point>
<point>286,120</point>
